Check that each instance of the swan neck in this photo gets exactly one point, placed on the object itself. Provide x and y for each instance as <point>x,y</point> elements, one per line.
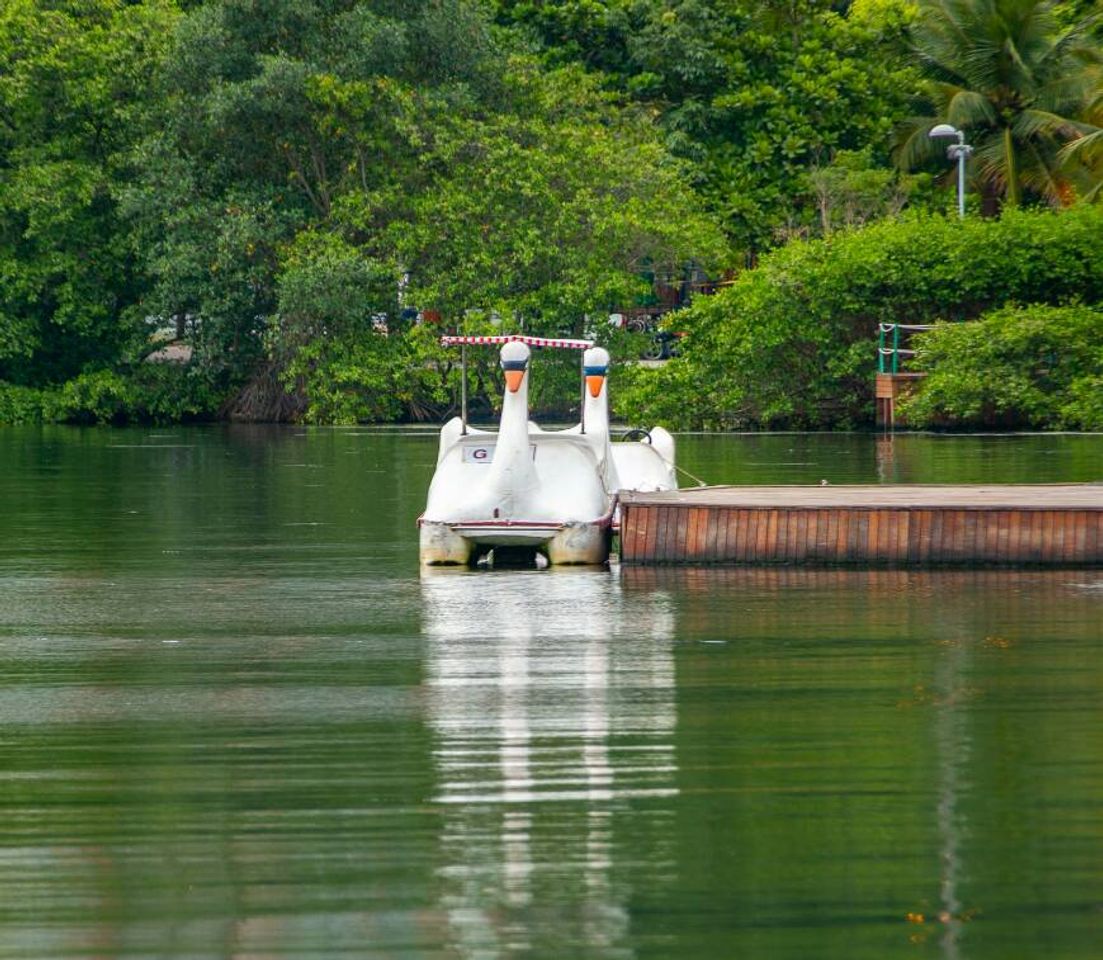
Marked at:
<point>513,428</point>
<point>596,413</point>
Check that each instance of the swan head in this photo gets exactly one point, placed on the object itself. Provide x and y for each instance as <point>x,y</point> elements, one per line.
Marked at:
<point>595,367</point>
<point>515,363</point>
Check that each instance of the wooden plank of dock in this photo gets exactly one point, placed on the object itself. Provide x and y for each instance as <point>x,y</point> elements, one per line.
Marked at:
<point>867,525</point>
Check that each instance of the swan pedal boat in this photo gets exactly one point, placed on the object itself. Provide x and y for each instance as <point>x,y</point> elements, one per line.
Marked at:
<point>526,491</point>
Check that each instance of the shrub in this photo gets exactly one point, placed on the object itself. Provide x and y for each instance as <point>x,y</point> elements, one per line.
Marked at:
<point>170,392</point>
<point>99,397</point>
<point>1037,366</point>
<point>793,342</point>
<point>160,393</point>
<point>28,405</point>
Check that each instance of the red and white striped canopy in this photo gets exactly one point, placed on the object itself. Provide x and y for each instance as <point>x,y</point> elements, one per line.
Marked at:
<point>531,341</point>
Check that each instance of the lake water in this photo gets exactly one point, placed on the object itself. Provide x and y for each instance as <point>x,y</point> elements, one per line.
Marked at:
<point>235,721</point>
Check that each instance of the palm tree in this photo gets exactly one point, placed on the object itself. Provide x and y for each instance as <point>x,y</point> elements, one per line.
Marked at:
<point>1021,88</point>
<point>1087,150</point>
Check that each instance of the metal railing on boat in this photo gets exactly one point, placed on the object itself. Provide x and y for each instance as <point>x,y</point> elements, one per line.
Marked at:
<point>463,342</point>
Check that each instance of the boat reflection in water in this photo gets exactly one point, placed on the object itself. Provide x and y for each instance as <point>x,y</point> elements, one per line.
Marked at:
<point>551,701</point>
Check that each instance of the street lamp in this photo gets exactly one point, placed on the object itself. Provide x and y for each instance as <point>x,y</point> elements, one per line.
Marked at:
<point>959,151</point>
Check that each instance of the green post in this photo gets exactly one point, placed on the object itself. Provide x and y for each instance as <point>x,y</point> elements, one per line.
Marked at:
<point>895,346</point>
<point>880,348</point>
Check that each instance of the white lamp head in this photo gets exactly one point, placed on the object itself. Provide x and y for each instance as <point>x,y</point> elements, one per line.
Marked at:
<point>944,130</point>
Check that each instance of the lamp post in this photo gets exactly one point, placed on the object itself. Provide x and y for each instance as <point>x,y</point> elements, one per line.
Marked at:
<point>960,152</point>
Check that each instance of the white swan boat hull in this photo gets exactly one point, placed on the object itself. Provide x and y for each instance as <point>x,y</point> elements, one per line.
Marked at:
<point>541,491</point>
<point>530,489</point>
<point>447,544</point>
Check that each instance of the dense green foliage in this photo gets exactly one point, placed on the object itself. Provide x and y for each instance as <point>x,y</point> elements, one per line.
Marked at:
<point>286,184</point>
<point>757,94</point>
<point>305,193</point>
<point>793,343</point>
<point>162,393</point>
<point>1039,366</point>
<point>74,81</point>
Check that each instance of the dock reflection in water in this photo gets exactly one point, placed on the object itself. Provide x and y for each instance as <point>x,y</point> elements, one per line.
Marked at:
<point>911,757</point>
<point>551,698</point>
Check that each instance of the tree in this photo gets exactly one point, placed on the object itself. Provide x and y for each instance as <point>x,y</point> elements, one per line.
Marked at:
<point>754,95</point>
<point>541,212</point>
<point>74,78</point>
<point>593,32</point>
<point>1018,84</point>
<point>852,191</point>
<point>249,153</point>
<point>1087,150</point>
<point>793,342</point>
<point>314,155</point>
<point>549,210</point>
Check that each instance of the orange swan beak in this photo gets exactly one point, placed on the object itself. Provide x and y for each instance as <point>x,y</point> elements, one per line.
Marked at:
<point>513,380</point>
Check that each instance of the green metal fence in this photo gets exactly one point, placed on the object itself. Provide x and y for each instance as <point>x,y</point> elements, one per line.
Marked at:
<point>890,353</point>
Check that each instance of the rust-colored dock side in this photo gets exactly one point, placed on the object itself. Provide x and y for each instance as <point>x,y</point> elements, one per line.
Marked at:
<point>869,525</point>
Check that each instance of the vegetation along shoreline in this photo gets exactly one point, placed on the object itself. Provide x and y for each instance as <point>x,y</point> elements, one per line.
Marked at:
<point>272,211</point>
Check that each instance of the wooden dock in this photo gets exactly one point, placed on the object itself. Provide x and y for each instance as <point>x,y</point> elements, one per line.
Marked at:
<point>874,525</point>
<point>890,387</point>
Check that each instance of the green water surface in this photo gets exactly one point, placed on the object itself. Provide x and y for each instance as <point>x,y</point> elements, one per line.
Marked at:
<point>235,721</point>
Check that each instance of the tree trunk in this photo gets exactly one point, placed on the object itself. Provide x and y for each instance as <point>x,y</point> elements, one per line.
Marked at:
<point>1013,194</point>
<point>989,200</point>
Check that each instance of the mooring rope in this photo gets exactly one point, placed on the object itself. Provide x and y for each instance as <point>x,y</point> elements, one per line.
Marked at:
<point>699,481</point>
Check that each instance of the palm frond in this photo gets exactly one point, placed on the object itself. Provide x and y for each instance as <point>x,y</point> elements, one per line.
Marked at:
<point>1087,148</point>
<point>1077,40</point>
<point>990,163</point>
<point>1094,194</point>
<point>1039,173</point>
<point>939,34</point>
<point>1071,93</point>
<point>914,145</point>
<point>941,94</point>
<point>981,64</point>
<point>1026,69</point>
<point>970,109</point>
<point>1035,123</point>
